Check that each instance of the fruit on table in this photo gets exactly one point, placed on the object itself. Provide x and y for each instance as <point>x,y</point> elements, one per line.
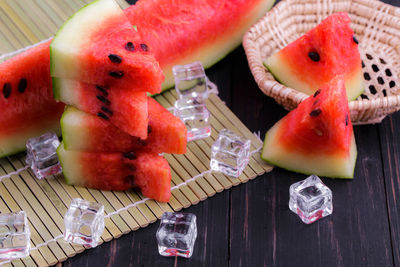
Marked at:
<point>98,45</point>
<point>179,32</point>
<point>329,49</point>
<point>85,132</point>
<point>27,106</point>
<point>147,171</point>
<point>317,137</point>
<point>198,30</point>
<point>126,109</point>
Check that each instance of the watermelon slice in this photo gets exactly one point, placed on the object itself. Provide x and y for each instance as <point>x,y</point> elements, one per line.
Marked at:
<point>98,45</point>
<point>317,137</point>
<point>179,32</point>
<point>26,100</point>
<point>315,58</point>
<point>118,171</point>
<point>190,30</point>
<point>84,132</point>
<point>126,109</point>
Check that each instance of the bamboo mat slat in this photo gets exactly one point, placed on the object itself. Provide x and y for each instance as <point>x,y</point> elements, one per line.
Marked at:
<point>26,22</point>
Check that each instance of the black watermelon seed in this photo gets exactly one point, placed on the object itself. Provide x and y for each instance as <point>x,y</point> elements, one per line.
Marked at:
<point>7,90</point>
<point>141,142</point>
<point>384,92</point>
<point>103,99</point>
<point>355,39</point>
<point>382,60</point>
<point>129,46</point>
<point>388,72</point>
<point>317,92</point>
<point>392,84</point>
<point>144,47</point>
<point>106,110</point>
<point>380,80</point>
<point>23,83</point>
<point>315,112</point>
<point>149,129</point>
<point>364,97</point>
<point>369,56</point>
<point>117,74</point>
<point>375,68</point>
<point>314,56</point>
<point>103,116</point>
<point>115,58</point>
<point>362,64</point>
<point>130,155</point>
<point>102,89</point>
<point>347,119</point>
<point>366,76</point>
<point>372,89</point>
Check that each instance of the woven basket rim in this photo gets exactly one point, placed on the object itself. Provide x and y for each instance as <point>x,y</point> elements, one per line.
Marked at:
<point>362,110</point>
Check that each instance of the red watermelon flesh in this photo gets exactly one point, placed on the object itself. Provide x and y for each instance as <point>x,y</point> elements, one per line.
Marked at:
<point>183,31</point>
<point>84,132</point>
<point>126,109</point>
<point>212,30</point>
<point>147,171</point>
<point>317,137</point>
<point>26,103</point>
<point>98,45</point>
<point>315,58</point>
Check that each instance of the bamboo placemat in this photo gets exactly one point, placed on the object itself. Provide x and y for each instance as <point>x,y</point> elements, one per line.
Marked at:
<point>24,23</point>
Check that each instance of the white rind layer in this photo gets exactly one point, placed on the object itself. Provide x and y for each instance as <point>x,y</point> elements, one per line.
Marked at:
<point>284,74</point>
<point>71,165</point>
<point>66,47</point>
<point>321,165</point>
<point>71,127</point>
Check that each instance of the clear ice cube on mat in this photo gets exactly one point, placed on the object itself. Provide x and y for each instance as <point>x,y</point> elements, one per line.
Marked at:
<point>41,155</point>
<point>310,199</point>
<point>14,235</point>
<point>196,116</point>
<point>177,234</point>
<point>230,153</point>
<point>84,222</point>
<point>191,81</point>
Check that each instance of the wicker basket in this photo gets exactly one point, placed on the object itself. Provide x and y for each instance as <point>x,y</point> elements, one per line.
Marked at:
<point>377,27</point>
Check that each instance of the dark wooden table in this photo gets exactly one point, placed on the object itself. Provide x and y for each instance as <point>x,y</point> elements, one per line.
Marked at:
<point>251,224</point>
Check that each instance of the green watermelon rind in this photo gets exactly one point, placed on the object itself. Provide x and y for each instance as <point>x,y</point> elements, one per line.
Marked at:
<point>279,81</point>
<point>60,31</point>
<point>211,61</point>
<point>277,164</point>
<point>61,146</point>
<point>56,88</point>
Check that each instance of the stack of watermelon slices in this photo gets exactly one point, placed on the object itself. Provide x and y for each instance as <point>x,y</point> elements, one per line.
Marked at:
<point>112,131</point>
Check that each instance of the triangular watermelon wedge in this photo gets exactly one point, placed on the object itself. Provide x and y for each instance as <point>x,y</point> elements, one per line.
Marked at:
<point>311,61</point>
<point>124,108</point>
<point>317,137</point>
<point>98,45</point>
<point>85,132</point>
<point>118,171</point>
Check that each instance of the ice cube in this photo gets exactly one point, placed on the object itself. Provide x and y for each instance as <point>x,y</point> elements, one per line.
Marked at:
<point>195,115</point>
<point>84,222</point>
<point>310,199</point>
<point>41,155</point>
<point>230,153</point>
<point>14,235</point>
<point>191,81</point>
<point>177,234</point>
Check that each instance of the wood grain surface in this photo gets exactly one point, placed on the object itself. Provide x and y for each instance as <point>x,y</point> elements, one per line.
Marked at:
<point>251,224</point>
